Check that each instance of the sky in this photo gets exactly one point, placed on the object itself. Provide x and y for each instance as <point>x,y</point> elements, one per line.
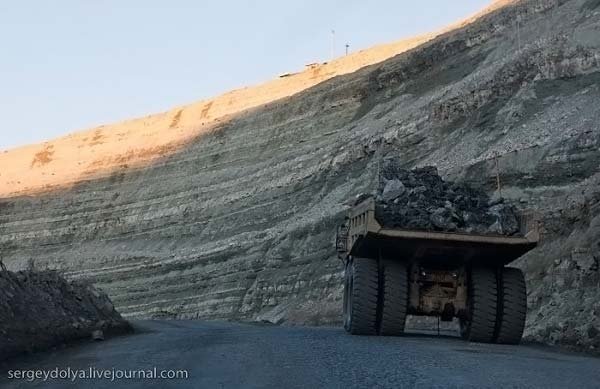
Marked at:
<point>68,65</point>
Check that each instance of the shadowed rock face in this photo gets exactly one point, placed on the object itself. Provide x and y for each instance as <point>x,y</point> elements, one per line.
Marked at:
<point>240,223</point>
<point>39,310</point>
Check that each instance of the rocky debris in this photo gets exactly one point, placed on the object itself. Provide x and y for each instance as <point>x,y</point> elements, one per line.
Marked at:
<point>39,310</point>
<point>553,317</point>
<point>563,275</point>
<point>420,199</point>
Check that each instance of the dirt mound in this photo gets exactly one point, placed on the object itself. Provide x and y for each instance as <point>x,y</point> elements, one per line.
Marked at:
<point>420,199</point>
<point>39,310</point>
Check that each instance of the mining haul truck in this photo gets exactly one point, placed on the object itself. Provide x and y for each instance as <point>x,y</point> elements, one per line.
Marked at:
<point>392,273</point>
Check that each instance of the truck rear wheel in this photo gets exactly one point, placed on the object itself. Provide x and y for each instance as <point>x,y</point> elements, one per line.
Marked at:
<point>512,306</point>
<point>360,296</point>
<point>347,295</point>
<point>394,299</point>
<point>482,296</point>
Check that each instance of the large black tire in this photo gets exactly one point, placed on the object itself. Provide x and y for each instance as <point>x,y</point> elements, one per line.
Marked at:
<point>481,323</point>
<point>347,295</point>
<point>512,306</point>
<point>361,293</point>
<point>394,298</point>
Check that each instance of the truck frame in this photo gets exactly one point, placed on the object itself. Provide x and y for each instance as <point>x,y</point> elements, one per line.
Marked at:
<point>390,273</point>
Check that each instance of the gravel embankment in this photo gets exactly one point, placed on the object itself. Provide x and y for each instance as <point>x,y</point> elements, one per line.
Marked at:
<point>39,310</point>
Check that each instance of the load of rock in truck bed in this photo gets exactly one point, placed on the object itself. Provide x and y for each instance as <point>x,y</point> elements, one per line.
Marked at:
<point>419,199</point>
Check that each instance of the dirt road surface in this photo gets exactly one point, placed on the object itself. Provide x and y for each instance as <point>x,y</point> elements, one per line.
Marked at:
<point>227,355</point>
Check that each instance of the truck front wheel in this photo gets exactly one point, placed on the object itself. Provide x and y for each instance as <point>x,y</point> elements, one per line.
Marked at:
<point>480,322</point>
<point>360,296</point>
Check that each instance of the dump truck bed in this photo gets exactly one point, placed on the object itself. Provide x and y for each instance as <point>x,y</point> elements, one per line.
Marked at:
<point>367,238</point>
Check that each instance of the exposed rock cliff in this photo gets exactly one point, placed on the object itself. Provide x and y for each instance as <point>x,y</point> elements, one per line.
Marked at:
<point>239,223</point>
<point>39,310</point>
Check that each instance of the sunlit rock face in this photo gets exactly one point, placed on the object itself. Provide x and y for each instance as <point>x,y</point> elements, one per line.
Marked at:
<point>238,221</point>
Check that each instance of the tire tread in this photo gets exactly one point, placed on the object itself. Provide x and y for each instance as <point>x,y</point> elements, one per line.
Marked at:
<point>394,291</point>
<point>364,297</point>
<point>512,307</point>
<point>484,304</point>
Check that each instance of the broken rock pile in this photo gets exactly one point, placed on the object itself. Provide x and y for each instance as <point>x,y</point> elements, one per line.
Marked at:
<point>41,309</point>
<point>420,200</point>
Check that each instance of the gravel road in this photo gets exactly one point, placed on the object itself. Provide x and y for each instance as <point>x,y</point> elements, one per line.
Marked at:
<point>227,355</point>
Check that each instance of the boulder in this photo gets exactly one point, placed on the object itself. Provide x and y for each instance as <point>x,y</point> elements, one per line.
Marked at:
<point>392,190</point>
